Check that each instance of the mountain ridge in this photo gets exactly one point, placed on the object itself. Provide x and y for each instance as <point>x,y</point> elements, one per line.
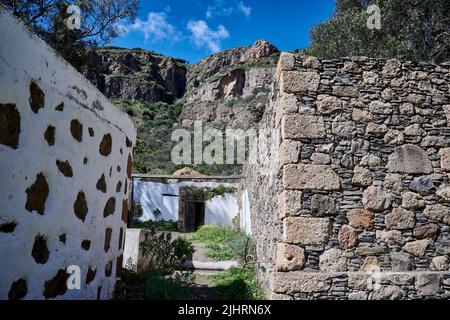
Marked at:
<point>229,88</point>
<point>147,76</point>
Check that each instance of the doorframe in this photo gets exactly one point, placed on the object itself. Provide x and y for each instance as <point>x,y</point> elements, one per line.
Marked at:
<point>185,197</point>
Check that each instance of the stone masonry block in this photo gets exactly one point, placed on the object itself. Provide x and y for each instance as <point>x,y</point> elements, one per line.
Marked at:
<point>317,177</point>
<point>306,230</point>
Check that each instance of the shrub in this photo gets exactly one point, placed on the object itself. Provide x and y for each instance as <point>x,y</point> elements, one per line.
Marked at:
<point>160,280</point>
<point>161,287</point>
<point>163,254</point>
<point>243,248</point>
<point>130,286</point>
<point>183,248</point>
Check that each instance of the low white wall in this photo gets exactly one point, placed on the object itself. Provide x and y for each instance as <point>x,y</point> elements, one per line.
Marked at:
<point>245,215</point>
<point>50,113</point>
<point>219,210</point>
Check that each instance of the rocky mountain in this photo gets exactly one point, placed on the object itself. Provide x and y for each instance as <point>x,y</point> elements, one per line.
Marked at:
<point>228,88</point>
<point>137,74</point>
<point>207,87</point>
<point>226,74</point>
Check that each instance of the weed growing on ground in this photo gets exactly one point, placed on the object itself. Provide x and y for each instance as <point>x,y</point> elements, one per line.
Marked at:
<point>236,284</point>
<point>224,243</point>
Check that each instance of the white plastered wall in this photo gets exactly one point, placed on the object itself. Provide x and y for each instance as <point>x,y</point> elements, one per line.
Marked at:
<point>219,210</point>
<point>25,58</point>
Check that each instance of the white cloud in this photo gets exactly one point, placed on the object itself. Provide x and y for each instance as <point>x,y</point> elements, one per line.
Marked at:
<point>209,12</point>
<point>246,10</point>
<point>221,10</point>
<point>155,28</point>
<point>204,36</point>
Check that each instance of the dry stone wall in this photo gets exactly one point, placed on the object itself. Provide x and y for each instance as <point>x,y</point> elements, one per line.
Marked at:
<point>364,181</point>
<point>65,158</point>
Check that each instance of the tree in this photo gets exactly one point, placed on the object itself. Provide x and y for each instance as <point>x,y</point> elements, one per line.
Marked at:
<point>100,22</point>
<point>410,30</point>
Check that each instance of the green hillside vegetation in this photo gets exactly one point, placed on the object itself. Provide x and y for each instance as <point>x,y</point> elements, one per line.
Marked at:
<point>155,123</point>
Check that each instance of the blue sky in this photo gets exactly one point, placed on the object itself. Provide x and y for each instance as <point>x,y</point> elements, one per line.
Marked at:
<point>194,29</point>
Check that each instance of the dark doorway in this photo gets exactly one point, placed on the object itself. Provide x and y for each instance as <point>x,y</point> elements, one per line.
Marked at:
<point>195,216</point>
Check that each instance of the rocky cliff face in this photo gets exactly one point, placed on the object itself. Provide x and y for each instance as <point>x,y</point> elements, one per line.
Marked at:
<point>137,74</point>
<point>226,88</point>
<point>230,87</point>
<point>226,73</point>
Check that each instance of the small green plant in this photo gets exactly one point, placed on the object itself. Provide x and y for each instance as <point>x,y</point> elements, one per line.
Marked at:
<point>156,213</point>
<point>236,284</point>
<point>243,248</point>
<point>223,243</point>
<point>183,248</point>
<point>207,193</point>
<point>162,287</point>
<point>221,191</point>
<point>163,254</point>
<point>130,286</point>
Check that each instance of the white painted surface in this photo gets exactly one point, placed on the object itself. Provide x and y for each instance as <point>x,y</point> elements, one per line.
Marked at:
<point>131,250</point>
<point>245,218</point>
<point>219,210</point>
<point>23,58</point>
<point>210,265</point>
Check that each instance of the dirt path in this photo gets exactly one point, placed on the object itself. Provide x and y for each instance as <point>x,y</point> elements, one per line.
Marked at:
<point>203,286</point>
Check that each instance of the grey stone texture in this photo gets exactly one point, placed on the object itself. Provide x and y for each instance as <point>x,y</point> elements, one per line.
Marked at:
<point>363,183</point>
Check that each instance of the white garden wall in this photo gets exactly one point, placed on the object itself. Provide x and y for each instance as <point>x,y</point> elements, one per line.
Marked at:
<point>151,195</point>
<point>245,217</point>
<point>65,159</point>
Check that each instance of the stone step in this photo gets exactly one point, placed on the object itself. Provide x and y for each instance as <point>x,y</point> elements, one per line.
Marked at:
<point>213,266</point>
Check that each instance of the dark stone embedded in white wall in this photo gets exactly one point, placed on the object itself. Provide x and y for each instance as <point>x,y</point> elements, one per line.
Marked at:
<point>90,276</point>
<point>76,129</point>
<point>108,269</point>
<point>57,285</point>
<point>101,184</point>
<point>37,97</point>
<point>49,135</point>
<point>18,290</point>
<point>107,244</point>
<point>106,145</point>
<point>80,206</point>
<point>40,251</point>
<point>65,168</point>
<point>9,125</point>
<point>37,195</point>
<point>86,244</point>
<point>110,207</point>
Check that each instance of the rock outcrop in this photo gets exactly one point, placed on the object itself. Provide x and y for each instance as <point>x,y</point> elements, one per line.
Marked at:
<point>210,87</point>
<point>231,87</point>
<point>137,74</point>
